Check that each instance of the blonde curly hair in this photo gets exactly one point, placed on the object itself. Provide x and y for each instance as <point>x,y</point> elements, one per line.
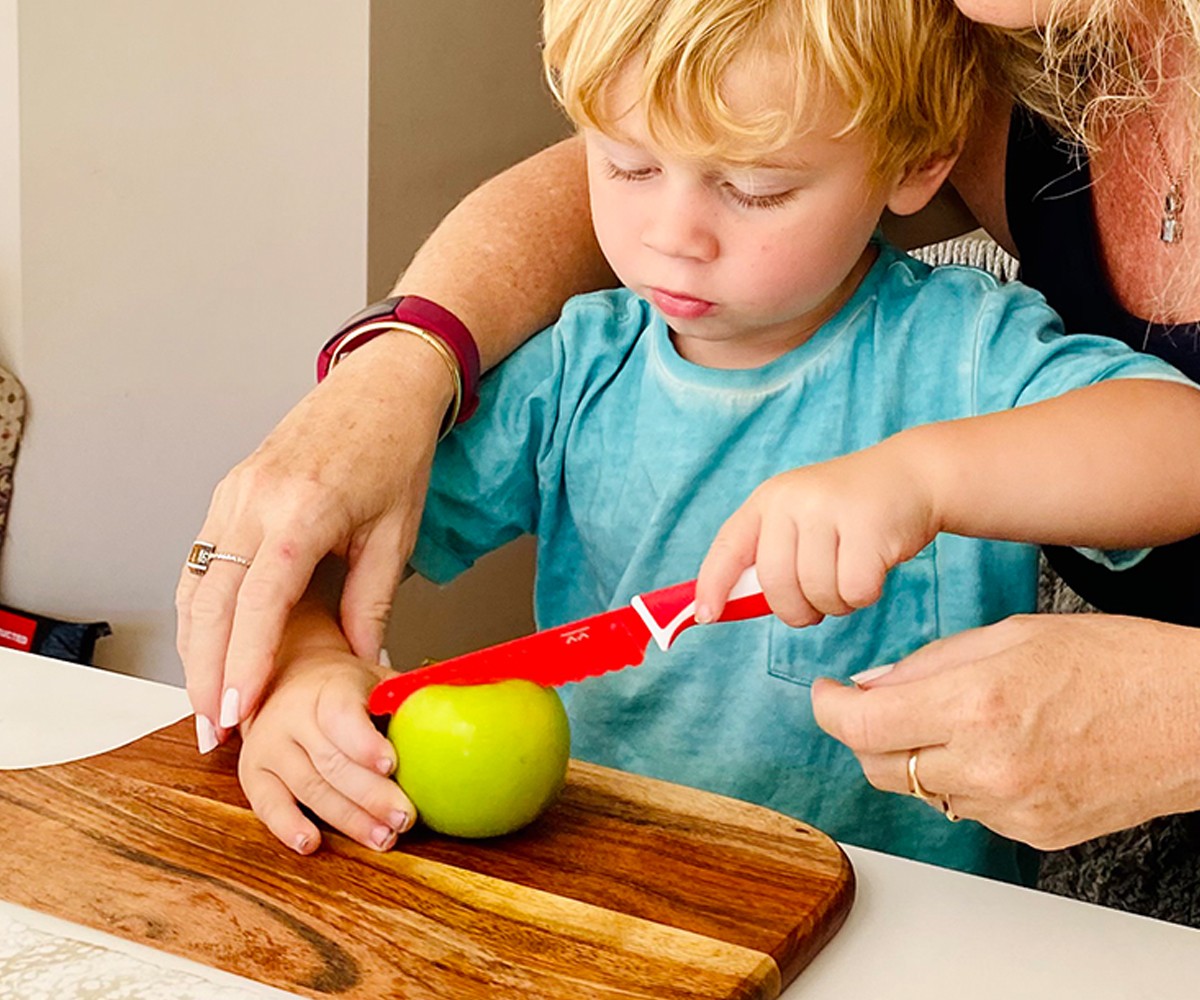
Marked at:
<point>908,71</point>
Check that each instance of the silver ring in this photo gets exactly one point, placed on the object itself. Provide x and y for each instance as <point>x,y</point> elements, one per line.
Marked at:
<point>203,553</point>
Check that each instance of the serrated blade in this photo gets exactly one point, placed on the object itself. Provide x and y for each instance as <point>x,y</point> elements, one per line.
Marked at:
<point>554,656</point>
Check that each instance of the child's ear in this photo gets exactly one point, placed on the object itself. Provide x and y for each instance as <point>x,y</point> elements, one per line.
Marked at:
<point>921,182</point>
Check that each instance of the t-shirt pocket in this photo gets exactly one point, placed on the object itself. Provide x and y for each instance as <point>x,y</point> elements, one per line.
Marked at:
<point>900,622</point>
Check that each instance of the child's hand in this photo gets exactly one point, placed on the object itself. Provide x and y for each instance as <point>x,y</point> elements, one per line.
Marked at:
<point>823,537</point>
<point>312,742</point>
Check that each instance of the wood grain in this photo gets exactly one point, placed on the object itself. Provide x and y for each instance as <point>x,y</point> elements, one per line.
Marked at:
<point>626,888</point>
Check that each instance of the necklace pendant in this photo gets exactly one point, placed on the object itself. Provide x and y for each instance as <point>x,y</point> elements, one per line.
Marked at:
<point>1171,230</point>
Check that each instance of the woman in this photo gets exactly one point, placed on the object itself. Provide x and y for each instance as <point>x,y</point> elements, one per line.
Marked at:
<point>1059,728</point>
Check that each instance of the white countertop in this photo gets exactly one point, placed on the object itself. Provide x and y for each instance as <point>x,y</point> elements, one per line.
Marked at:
<point>915,931</point>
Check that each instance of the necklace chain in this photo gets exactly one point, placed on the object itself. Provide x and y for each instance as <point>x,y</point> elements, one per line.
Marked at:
<point>1170,228</point>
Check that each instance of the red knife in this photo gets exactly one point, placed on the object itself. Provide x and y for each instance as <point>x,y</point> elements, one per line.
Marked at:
<point>585,648</point>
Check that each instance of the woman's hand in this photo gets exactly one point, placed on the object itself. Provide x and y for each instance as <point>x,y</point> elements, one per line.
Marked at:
<point>823,537</point>
<point>344,472</point>
<point>312,742</point>
<point>1049,729</point>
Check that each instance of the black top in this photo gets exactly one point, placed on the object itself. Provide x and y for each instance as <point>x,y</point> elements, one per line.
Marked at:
<point>1049,207</point>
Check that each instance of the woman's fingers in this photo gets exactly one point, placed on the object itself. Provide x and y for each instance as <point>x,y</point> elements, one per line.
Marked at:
<point>375,571</point>
<point>1049,729</point>
<point>884,719</point>
<point>954,651</point>
<point>268,591</point>
<point>205,605</point>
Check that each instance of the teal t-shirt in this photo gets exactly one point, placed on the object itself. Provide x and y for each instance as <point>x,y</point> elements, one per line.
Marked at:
<point>624,459</point>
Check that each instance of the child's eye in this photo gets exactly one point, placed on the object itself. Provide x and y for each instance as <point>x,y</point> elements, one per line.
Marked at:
<point>623,174</point>
<point>740,197</point>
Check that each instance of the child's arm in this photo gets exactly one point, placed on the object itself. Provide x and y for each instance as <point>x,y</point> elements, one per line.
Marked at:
<point>1113,465</point>
<point>312,742</point>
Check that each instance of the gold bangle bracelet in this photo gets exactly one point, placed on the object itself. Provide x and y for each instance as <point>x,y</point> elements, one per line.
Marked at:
<point>392,326</point>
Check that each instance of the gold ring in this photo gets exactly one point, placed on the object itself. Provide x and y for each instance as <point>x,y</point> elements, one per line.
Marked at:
<point>202,553</point>
<point>948,810</point>
<point>915,788</point>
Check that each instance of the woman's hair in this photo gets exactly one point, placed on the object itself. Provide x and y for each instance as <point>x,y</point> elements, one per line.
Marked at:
<point>1092,63</point>
<point>908,72</point>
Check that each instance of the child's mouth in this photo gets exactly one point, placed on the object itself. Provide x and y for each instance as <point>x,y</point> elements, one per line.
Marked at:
<point>679,306</point>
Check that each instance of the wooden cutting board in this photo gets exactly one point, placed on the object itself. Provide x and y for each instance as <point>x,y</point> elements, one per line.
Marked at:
<point>626,888</point>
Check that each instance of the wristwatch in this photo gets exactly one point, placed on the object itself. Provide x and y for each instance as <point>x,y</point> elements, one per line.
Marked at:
<point>434,324</point>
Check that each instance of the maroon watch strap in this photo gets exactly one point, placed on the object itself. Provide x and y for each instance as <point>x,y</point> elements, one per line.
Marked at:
<point>426,315</point>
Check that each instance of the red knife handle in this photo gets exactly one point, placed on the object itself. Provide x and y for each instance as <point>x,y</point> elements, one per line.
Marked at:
<point>669,611</point>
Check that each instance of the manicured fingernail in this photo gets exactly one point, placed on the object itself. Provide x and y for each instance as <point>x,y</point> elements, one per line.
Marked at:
<point>384,659</point>
<point>229,708</point>
<point>866,676</point>
<point>383,837</point>
<point>302,843</point>
<point>398,820</point>
<point>206,734</point>
<point>704,614</point>
<point>384,766</point>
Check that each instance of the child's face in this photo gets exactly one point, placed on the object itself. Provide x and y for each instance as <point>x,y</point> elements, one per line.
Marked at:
<point>744,262</point>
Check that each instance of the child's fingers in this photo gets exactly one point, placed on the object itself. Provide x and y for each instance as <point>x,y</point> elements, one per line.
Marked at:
<point>340,802</point>
<point>363,788</point>
<point>731,553</point>
<point>275,805</point>
<point>776,566</point>
<point>344,722</point>
<point>861,571</point>
<point>817,568</point>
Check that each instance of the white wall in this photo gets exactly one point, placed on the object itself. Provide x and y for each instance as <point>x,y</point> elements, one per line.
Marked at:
<point>191,199</point>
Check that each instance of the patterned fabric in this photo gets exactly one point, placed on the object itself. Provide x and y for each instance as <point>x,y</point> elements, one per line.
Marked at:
<point>12,422</point>
<point>37,965</point>
<point>974,251</point>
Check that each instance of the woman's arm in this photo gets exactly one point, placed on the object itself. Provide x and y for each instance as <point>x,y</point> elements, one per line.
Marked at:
<point>346,471</point>
<point>513,251</point>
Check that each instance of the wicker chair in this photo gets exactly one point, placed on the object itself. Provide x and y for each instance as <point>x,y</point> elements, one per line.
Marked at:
<point>12,424</point>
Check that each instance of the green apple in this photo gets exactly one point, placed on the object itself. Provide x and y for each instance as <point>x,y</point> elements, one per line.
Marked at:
<point>481,760</point>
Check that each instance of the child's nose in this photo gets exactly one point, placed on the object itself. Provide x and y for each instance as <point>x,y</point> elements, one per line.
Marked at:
<point>680,225</point>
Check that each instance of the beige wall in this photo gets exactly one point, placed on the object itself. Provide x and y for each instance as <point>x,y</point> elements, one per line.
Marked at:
<point>456,96</point>
<point>192,205</point>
